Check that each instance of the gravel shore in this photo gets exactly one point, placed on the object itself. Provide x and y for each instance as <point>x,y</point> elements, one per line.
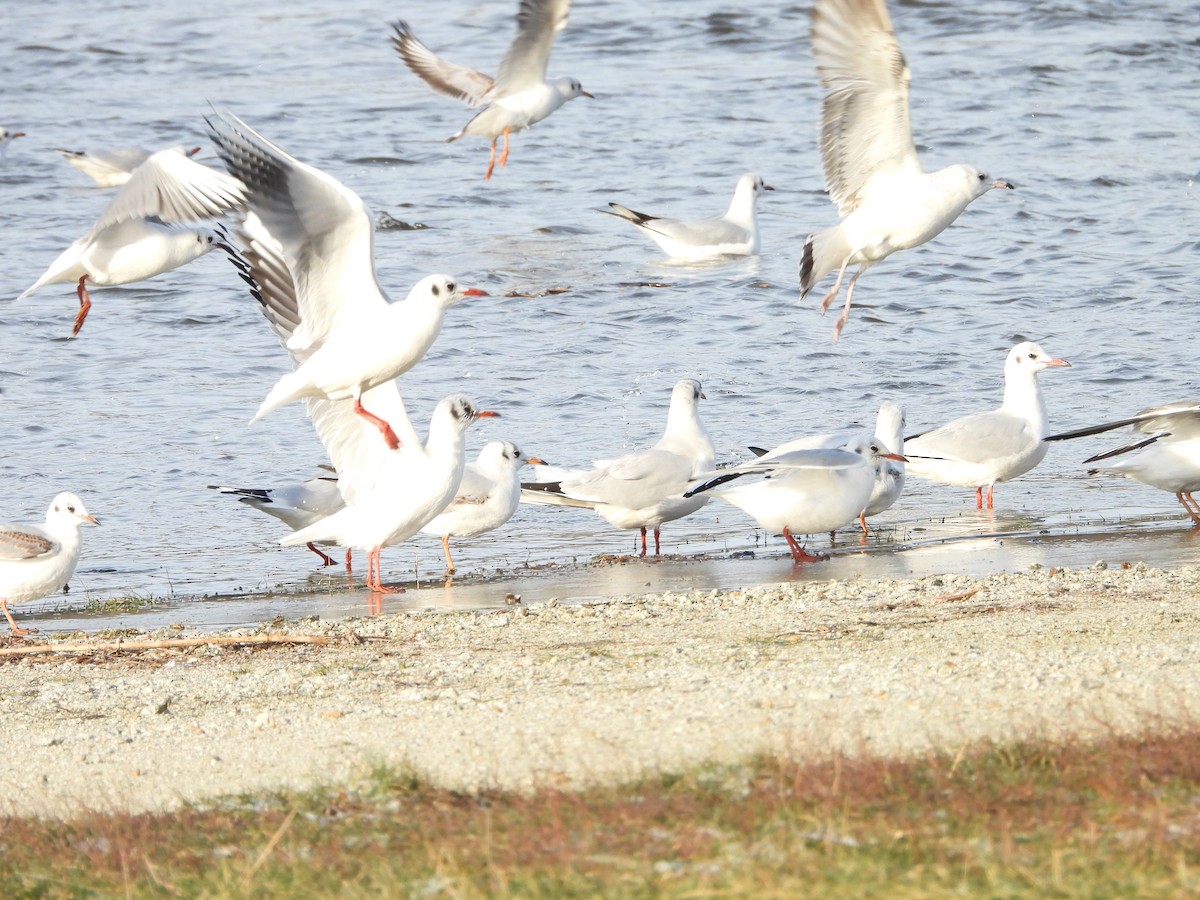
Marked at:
<point>571,695</point>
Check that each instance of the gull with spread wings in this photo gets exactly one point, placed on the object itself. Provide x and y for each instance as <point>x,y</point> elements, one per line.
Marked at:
<point>886,200</point>
<point>519,96</point>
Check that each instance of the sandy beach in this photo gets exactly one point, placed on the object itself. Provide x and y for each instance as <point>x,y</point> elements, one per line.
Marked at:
<point>545,693</point>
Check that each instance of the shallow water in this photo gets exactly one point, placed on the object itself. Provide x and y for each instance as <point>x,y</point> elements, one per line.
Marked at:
<point>1087,107</point>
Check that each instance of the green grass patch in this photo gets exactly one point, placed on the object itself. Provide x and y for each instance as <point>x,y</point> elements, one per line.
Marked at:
<point>1119,817</point>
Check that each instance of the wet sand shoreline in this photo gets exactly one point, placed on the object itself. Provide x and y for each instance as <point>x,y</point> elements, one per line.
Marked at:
<point>550,693</point>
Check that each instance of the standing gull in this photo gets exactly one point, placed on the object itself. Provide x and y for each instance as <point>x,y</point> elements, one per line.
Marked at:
<point>411,488</point>
<point>733,234</point>
<point>516,98</point>
<point>37,561</point>
<point>141,233</point>
<point>348,338</point>
<point>296,505</point>
<point>889,472</point>
<point>643,489</point>
<point>1166,455</point>
<point>487,497</point>
<point>802,491</point>
<point>887,202</point>
<point>982,449</point>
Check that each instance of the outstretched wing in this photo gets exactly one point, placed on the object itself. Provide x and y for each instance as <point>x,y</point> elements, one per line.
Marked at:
<point>442,75</point>
<point>865,129</point>
<point>524,65</point>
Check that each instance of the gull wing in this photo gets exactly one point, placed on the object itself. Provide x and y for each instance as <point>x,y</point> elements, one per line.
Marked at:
<point>1182,418</point>
<point>974,438</point>
<point>865,129</point>
<point>323,229</point>
<point>442,75</point>
<point>826,458</point>
<point>19,542</point>
<point>524,65</point>
<point>171,187</point>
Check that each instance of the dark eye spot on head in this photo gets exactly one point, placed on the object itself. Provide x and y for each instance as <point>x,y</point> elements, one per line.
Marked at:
<point>450,286</point>
<point>70,509</point>
<point>437,291</point>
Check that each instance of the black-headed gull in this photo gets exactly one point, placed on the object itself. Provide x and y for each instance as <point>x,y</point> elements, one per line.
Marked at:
<point>889,472</point>
<point>348,337</point>
<point>733,234</point>
<point>112,168</point>
<point>36,561</point>
<point>643,489</point>
<point>374,347</point>
<point>1166,455</point>
<point>519,96</point>
<point>486,498</point>
<point>887,202</point>
<point>296,505</point>
<point>140,235</point>
<point>409,489</point>
<point>801,491</point>
<point>982,449</point>
<point>389,495</point>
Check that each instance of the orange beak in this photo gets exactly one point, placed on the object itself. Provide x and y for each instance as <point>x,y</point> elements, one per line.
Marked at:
<point>1059,362</point>
<point>474,292</point>
<point>487,414</point>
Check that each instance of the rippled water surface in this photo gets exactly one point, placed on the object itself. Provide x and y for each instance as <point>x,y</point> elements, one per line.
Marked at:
<point>1090,108</point>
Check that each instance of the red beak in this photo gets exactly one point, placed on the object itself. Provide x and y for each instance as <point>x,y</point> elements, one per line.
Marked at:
<point>487,414</point>
<point>474,292</point>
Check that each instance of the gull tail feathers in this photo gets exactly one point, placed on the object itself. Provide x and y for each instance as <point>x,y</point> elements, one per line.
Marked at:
<point>629,215</point>
<point>66,268</point>
<point>823,252</point>
<point>550,492</point>
<point>290,387</point>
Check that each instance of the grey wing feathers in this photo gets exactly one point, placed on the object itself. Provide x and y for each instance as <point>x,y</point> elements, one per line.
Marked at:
<point>443,76</point>
<point>524,65</point>
<point>865,125</point>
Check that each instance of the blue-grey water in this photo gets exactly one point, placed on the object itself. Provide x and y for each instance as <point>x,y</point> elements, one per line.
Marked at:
<point>1090,108</point>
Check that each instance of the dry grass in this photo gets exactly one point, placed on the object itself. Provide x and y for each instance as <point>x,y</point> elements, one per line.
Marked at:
<point>1116,818</point>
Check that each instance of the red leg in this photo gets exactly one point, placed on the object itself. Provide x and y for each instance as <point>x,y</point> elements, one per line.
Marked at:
<point>449,558</point>
<point>85,304</point>
<point>657,550</point>
<point>799,554</point>
<point>979,497</point>
<point>17,630</point>
<point>989,495</point>
<point>385,429</point>
<point>862,523</point>
<point>373,574</point>
<point>1193,509</point>
<point>326,560</point>
<point>349,552</point>
<point>487,176</point>
<point>504,156</point>
<point>837,286</point>
<point>643,540</point>
<point>845,316</point>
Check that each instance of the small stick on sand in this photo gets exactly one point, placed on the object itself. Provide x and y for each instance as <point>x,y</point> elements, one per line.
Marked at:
<point>165,644</point>
<point>954,598</point>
